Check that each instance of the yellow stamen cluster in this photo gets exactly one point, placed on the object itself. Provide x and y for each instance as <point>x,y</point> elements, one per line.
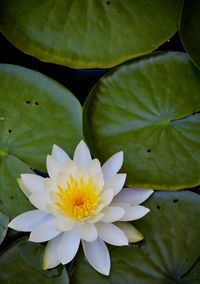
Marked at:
<point>79,199</point>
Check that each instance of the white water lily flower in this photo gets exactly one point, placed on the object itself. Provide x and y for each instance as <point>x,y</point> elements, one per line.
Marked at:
<point>80,202</point>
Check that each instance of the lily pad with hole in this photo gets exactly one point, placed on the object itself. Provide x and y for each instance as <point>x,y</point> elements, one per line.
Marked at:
<point>15,270</point>
<point>169,252</point>
<point>35,113</point>
<point>149,109</point>
<point>3,226</point>
<point>93,34</point>
<point>190,29</point>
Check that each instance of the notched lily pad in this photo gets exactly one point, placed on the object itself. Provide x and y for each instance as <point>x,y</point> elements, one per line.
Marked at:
<point>169,252</point>
<point>149,109</point>
<point>93,34</point>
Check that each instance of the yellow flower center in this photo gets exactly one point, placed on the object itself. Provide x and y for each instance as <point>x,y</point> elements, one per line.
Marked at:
<point>79,199</point>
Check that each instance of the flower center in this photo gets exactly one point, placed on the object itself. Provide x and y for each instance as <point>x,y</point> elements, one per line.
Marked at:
<point>79,199</point>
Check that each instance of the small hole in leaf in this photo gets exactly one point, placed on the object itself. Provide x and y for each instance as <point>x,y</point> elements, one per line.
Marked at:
<point>108,2</point>
<point>9,130</point>
<point>175,200</point>
<point>10,195</point>
<point>36,103</point>
<point>149,150</point>
<point>158,207</point>
<point>28,102</point>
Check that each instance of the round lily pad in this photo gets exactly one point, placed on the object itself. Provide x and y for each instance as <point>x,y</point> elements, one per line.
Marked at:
<point>35,113</point>
<point>15,270</point>
<point>3,226</point>
<point>93,34</point>
<point>169,252</point>
<point>149,109</point>
<point>190,29</point>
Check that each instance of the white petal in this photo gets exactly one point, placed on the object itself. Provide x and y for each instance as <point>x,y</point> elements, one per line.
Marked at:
<point>97,255</point>
<point>68,246</point>
<point>111,234</point>
<point>27,221</point>
<point>70,169</point>
<point>134,213</point>
<point>116,182</point>
<point>112,165</point>
<point>133,196</point>
<point>94,167</point>
<point>105,199</point>
<point>50,185</point>
<point>54,210</point>
<point>88,231</point>
<point>44,232</point>
<point>50,258</point>
<point>33,183</point>
<point>23,188</point>
<point>40,201</point>
<point>99,181</point>
<point>95,218</point>
<point>130,231</point>
<point>59,154</point>
<point>82,155</point>
<point>64,224</point>
<point>112,214</point>
<point>53,167</point>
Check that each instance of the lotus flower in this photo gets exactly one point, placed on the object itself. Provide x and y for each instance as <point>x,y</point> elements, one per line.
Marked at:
<point>80,202</point>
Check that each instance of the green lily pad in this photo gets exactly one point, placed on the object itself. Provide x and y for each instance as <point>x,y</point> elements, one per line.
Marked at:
<point>93,34</point>
<point>12,200</point>
<point>190,29</point>
<point>149,109</point>
<point>15,270</point>
<point>35,113</point>
<point>169,253</point>
<point>3,226</point>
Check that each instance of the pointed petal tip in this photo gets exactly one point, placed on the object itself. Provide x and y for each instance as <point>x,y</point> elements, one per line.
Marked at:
<point>151,191</point>
<point>147,210</point>
<point>10,225</point>
<point>82,143</point>
<point>48,156</point>
<point>54,149</point>
<point>105,271</point>
<point>120,155</point>
<point>82,155</point>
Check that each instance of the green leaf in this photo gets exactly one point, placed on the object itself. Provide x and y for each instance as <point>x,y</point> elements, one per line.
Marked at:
<point>169,253</point>
<point>148,108</point>
<point>35,113</point>
<point>93,34</point>
<point>190,29</point>
<point>15,270</point>
<point>3,226</point>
